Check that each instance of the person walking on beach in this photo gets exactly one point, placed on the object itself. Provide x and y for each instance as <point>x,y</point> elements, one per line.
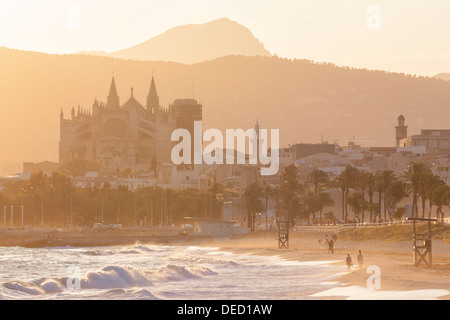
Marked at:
<point>334,237</point>
<point>349,262</point>
<point>331,246</point>
<point>360,259</point>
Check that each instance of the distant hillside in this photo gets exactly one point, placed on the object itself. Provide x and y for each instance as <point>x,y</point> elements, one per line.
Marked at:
<point>443,76</point>
<point>194,43</point>
<point>303,99</point>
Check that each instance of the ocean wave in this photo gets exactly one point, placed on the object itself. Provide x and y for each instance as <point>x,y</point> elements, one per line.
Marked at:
<point>40,287</point>
<point>111,277</point>
<point>114,278</point>
<point>135,249</point>
<point>141,294</point>
<point>174,272</point>
<point>191,259</point>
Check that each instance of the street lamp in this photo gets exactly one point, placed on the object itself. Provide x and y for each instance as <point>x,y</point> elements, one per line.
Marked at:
<point>12,216</point>
<point>21,206</point>
<point>42,207</point>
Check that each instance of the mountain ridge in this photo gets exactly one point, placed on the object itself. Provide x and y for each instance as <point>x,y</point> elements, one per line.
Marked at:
<point>303,99</point>
<point>193,43</point>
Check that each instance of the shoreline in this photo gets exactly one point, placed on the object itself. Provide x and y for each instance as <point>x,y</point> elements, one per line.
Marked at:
<point>395,262</point>
<point>394,259</point>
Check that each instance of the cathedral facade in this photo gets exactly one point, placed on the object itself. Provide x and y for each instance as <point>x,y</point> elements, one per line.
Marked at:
<point>120,136</point>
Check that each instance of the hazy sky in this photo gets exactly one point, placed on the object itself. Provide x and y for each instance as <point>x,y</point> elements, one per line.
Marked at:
<point>399,35</point>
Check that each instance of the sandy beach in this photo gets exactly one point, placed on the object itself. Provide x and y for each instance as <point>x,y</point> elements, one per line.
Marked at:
<point>394,259</point>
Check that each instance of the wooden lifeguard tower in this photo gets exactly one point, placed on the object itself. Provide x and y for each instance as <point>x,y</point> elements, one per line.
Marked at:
<point>422,252</point>
<point>283,234</point>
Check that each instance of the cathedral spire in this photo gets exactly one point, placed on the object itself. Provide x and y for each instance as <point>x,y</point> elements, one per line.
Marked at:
<point>152,98</point>
<point>112,101</point>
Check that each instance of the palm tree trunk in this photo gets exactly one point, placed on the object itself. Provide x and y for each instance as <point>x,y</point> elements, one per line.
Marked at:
<point>379,204</point>
<point>362,207</point>
<point>346,207</point>
<point>423,207</point>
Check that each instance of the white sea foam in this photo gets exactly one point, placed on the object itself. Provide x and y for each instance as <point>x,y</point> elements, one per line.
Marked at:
<point>24,287</point>
<point>43,286</point>
<point>51,286</point>
<point>111,277</point>
<point>135,249</point>
<point>172,272</point>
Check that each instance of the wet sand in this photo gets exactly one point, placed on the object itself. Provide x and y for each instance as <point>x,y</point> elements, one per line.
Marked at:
<point>394,259</point>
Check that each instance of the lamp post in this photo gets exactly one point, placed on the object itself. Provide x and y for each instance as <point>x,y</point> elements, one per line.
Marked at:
<point>71,209</point>
<point>12,216</point>
<point>103,211</point>
<point>151,208</point>
<point>21,206</point>
<point>42,207</point>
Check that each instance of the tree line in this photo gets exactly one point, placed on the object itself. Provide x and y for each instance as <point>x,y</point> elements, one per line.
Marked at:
<point>372,197</point>
<point>54,201</point>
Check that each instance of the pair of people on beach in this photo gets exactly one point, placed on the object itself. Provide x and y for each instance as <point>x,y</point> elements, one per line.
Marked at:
<point>349,261</point>
<point>331,242</point>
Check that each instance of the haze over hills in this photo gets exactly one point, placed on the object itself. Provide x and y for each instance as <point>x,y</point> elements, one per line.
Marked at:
<point>194,43</point>
<point>303,99</point>
<point>443,76</point>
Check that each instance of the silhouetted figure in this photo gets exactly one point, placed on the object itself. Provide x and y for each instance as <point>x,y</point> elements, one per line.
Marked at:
<point>334,237</point>
<point>349,262</point>
<point>360,259</point>
<point>331,246</point>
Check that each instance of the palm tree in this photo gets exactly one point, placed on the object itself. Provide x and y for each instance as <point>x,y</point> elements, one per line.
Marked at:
<point>268,193</point>
<point>363,184</point>
<point>441,198</point>
<point>346,180</point>
<point>385,179</point>
<point>412,177</point>
<point>276,194</point>
<point>215,199</point>
<point>357,202</point>
<point>318,178</point>
<point>253,195</point>
<point>370,181</point>
<point>393,195</point>
<point>428,185</point>
<point>310,201</point>
<point>324,200</point>
<point>290,189</point>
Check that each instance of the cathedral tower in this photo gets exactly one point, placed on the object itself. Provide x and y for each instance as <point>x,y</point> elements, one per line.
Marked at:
<point>112,101</point>
<point>401,131</point>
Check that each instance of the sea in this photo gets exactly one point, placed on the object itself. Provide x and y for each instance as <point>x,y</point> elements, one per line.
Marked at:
<point>158,272</point>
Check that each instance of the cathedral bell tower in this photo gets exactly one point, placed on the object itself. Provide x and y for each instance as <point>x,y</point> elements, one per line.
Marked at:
<point>401,131</point>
